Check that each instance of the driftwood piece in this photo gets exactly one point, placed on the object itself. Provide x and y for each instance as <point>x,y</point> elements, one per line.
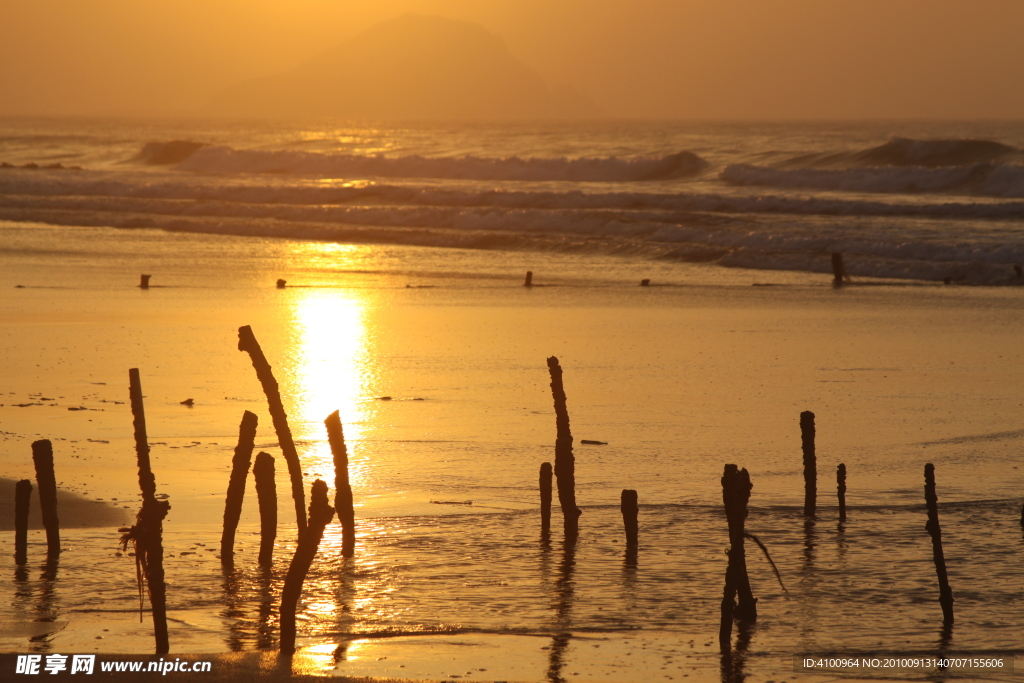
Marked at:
<point>266,492</point>
<point>42,456</point>
<point>932,503</point>
<point>22,499</point>
<point>343,502</point>
<point>807,433</point>
<point>147,534</point>
<point>320,514</point>
<point>247,342</point>
<point>565,462</point>
<point>236,486</point>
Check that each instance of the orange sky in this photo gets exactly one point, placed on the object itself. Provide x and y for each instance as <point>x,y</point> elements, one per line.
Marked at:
<point>746,59</point>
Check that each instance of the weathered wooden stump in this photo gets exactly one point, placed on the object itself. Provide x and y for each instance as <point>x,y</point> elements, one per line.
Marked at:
<point>630,511</point>
<point>22,499</point>
<point>736,488</point>
<point>838,271</point>
<point>320,514</point>
<point>529,279</point>
<point>236,486</point>
<point>545,497</point>
<point>565,463</point>
<point>645,282</point>
<point>266,493</point>
<point>42,456</point>
<point>810,463</point>
<point>342,487</point>
<point>281,284</point>
<point>247,342</point>
<point>144,281</point>
<point>841,490</point>
<point>932,503</point>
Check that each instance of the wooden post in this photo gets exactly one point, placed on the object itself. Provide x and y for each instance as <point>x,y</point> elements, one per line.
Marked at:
<point>838,272</point>
<point>148,530</point>
<point>810,463</point>
<point>320,514</point>
<point>236,486</point>
<point>266,492</point>
<point>735,495</point>
<point>144,281</point>
<point>841,490</point>
<point>932,502</point>
<point>645,282</point>
<point>22,498</point>
<point>42,456</point>
<point>565,465</point>
<point>281,284</point>
<point>342,488</point>
<point>545,497</point>
<point>630,509</point>
<point>529,279</point>
<point>247,342</point>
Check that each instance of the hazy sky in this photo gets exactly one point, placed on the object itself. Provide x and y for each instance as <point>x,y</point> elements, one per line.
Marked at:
<point>747,59</point>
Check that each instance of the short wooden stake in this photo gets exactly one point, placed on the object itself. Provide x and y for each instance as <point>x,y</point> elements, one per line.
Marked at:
<point>841,490</point>
<point>565,462</point>
<point>838,272</point>
<point>236,486</point>
<point>22,498</point>
<point>247,342</point>
<point>266,492</point>
<point>645,283</point>
<point>144,281</point>
<point>147,534</point>
<point>281,284</point>
<point>932,502</point>
<point>810,463</point>
<point>320,514</point>
<point>630,510</point>
<point>735,495</point>
<point>545,497</point>
<point>529,279</point>
<point>342,487</point>
<point>42,456</point>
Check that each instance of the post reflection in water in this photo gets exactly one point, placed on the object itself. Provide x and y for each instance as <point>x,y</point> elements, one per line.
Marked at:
<point>564,597</point>
<point>46,608</point>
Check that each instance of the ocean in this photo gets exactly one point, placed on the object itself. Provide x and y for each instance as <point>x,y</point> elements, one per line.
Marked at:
<point>404,250</point>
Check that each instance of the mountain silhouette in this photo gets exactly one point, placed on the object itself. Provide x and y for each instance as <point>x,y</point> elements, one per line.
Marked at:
<point>412,67</point>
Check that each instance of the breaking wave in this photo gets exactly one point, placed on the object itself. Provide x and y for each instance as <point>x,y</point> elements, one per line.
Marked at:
<point>910,152</point>
<point>199,158</point>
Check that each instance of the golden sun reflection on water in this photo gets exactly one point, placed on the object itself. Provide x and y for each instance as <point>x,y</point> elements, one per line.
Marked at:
<point>333,370</point>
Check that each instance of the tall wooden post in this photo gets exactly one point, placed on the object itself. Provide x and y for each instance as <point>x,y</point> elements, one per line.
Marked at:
<point>266,492</point>
<point>247,342</point>
<point>320,514</point>
<point>148,530</point>
<point>236,486</point>
<point>22,499</point>
<point>545,497</point>
<point>342,487</point>
<point>42,456</point>
<point>810,463</point>
<point>630,511</point>
<point>565,462</point>
<point>736,488</point>
<point>932,503</point>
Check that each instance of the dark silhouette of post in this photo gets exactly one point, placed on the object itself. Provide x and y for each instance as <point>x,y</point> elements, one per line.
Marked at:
<point>545,497</point>
<point>236,486</point>
<point>735,495</point>
<point>42,456</point>
<point>630,510</point>
<point>320,514</point>
<point>281,284</point>
<point>645,282</point>
<point>810,463</point>
<point>932,502</point>
<point>565,464</point>
<point>22,499</point>
<point>342,488</point>
<point>144,281</point>
<point>838,272</point>
<point>841,490</point>
<point>148,530</point>
<point>247,342</point>
<point>529,279</point>
<point>266,493</point>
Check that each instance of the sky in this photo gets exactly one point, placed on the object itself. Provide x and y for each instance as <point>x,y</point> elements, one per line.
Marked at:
<point>644,59</point>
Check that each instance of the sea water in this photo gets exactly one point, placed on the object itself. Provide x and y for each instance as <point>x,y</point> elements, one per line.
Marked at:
<point>370,226</point>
